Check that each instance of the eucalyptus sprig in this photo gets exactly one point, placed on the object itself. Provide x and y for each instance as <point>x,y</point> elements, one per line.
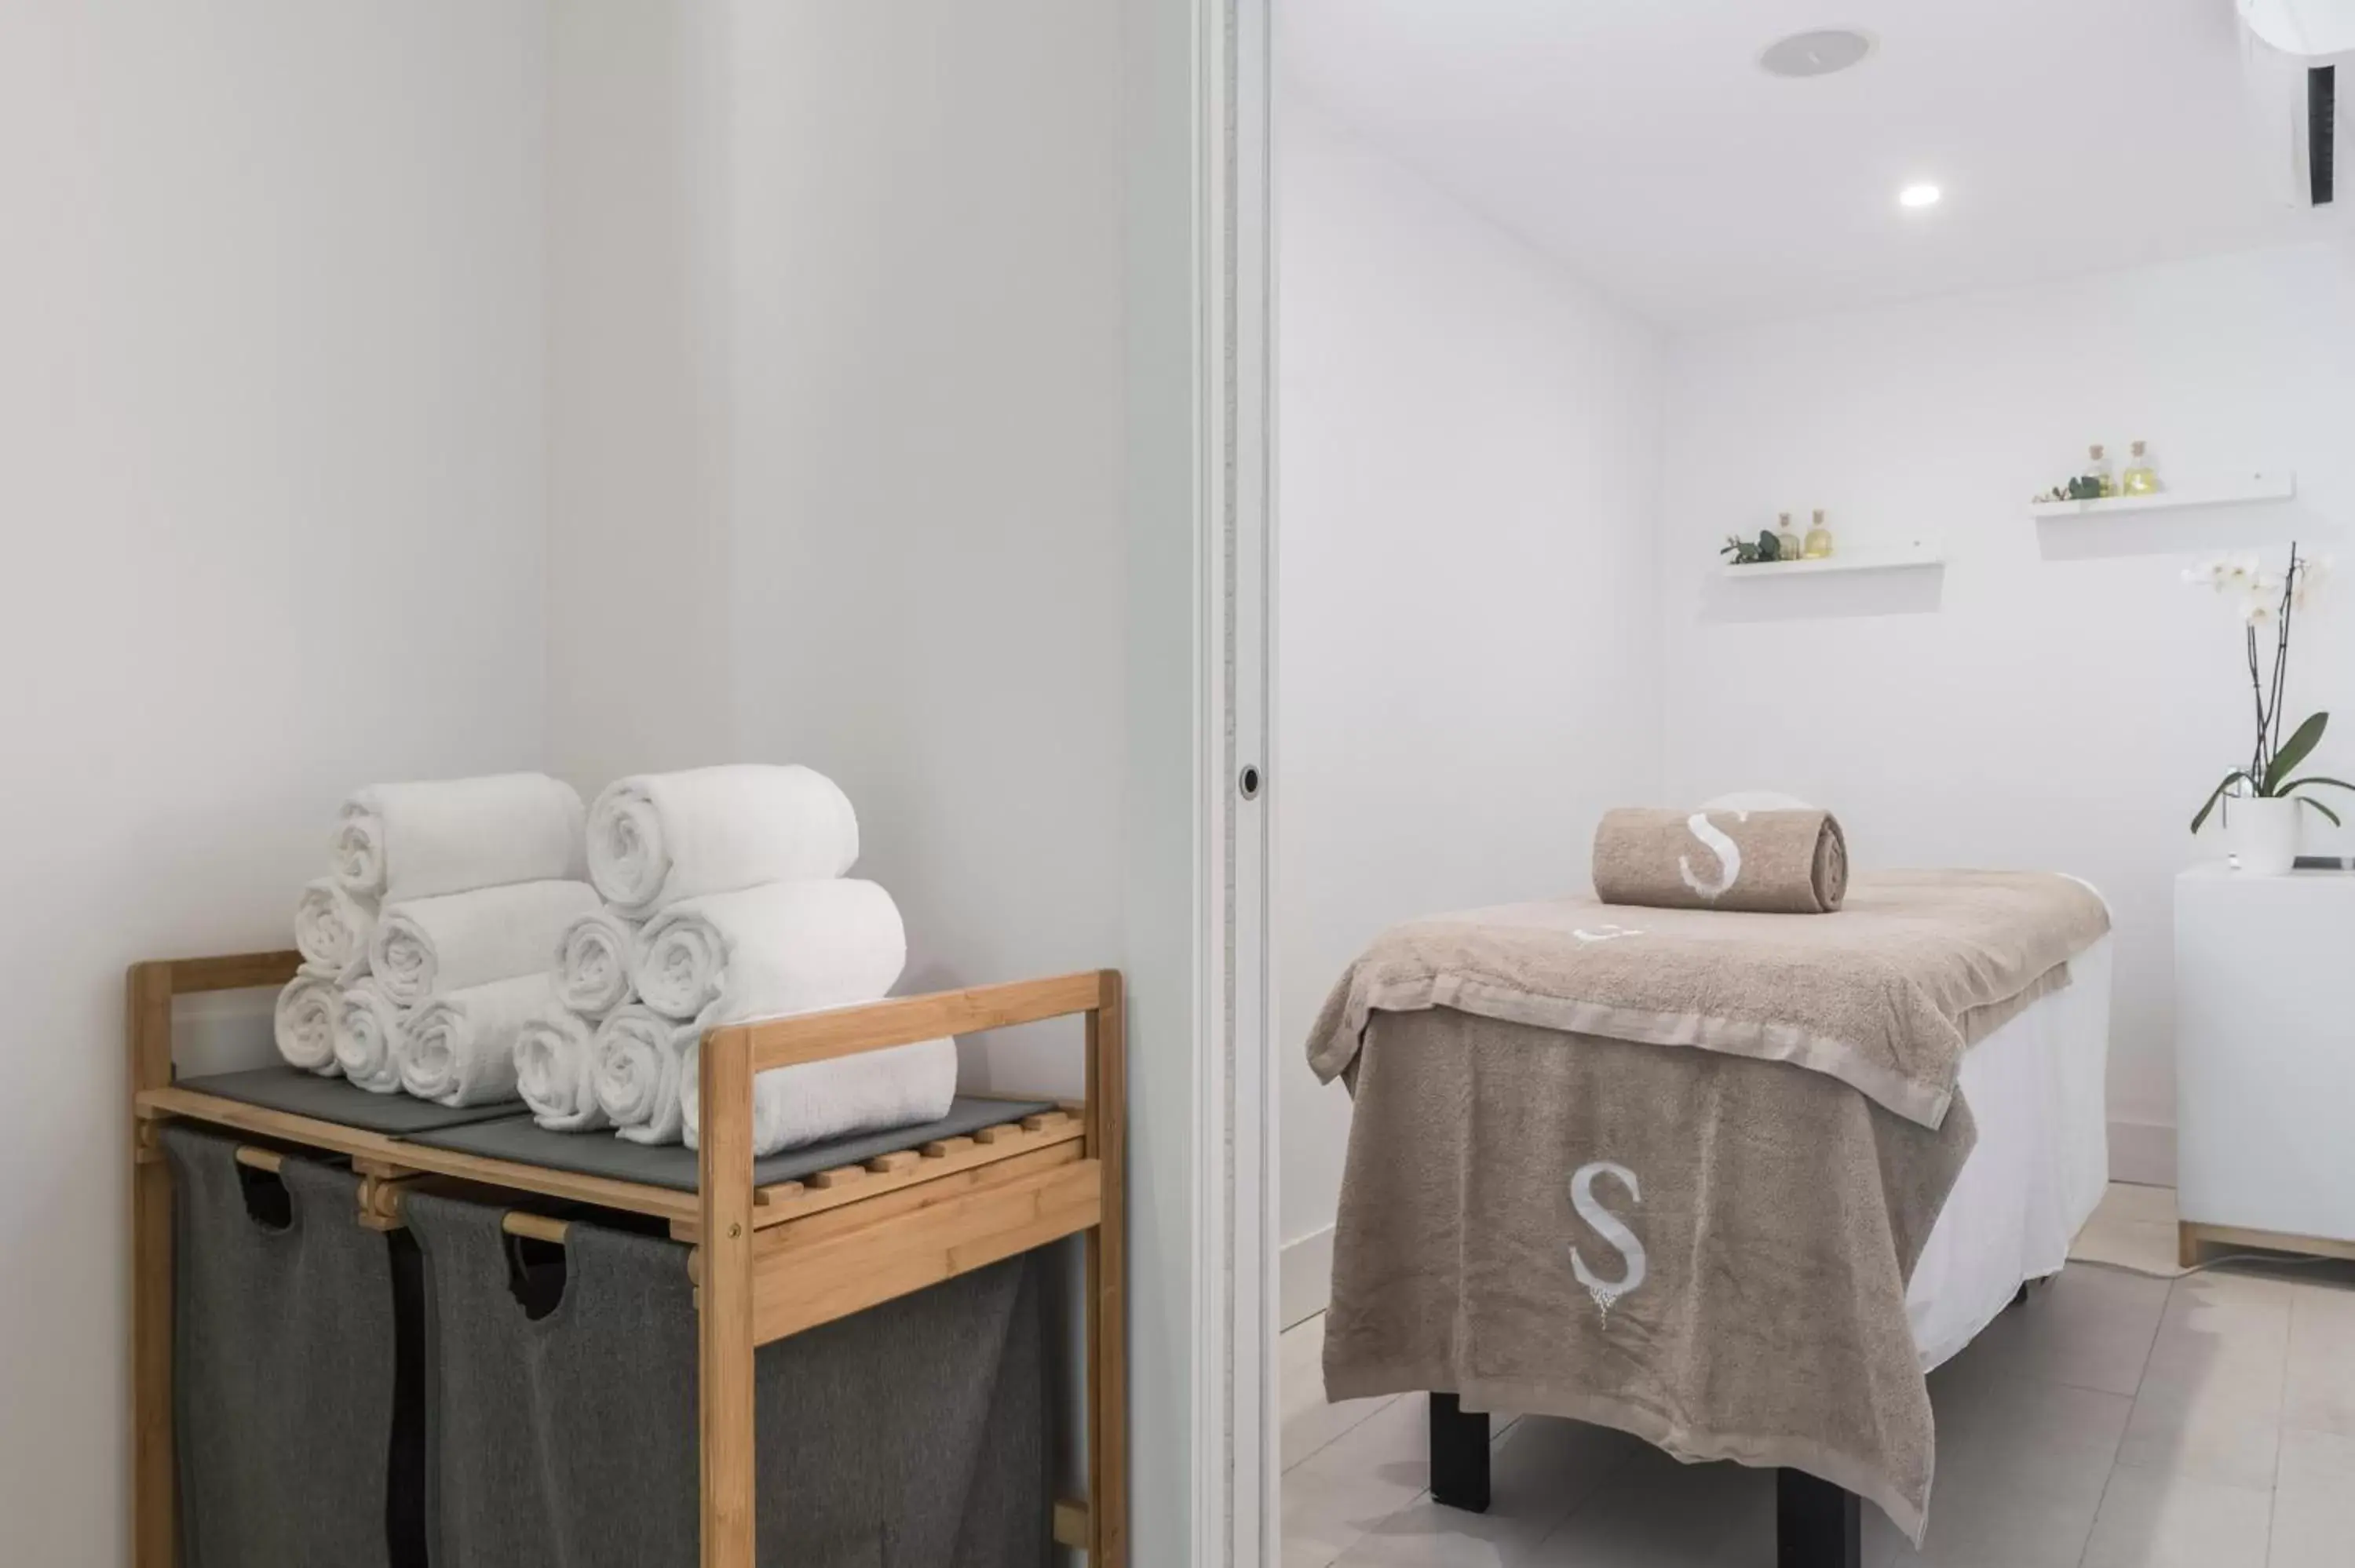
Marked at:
<point>1751,551</point>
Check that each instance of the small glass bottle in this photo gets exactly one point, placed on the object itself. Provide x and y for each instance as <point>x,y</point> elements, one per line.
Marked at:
<point>1819,539</point>
<point>1786,537</point>
<point>2141,478</point>
<point>2098,467</point>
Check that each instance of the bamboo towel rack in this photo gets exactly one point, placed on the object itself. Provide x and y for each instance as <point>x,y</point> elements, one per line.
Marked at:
<point>768,1261</point>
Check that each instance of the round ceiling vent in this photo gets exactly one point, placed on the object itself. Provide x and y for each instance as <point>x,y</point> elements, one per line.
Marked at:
<point>1816,54</point>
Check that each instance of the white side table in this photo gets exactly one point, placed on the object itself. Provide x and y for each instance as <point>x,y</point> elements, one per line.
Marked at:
<point>2264,1060</point>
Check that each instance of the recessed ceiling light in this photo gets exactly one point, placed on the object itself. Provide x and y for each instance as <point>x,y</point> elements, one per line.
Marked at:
<point>1818,53</point>
<point>1918,195</point>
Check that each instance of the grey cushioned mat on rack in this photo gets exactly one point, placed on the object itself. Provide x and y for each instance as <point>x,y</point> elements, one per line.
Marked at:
<point>913,1435</point>
<point>672,1166</point>
<point>278,1298</point>
<point>298,1093</point>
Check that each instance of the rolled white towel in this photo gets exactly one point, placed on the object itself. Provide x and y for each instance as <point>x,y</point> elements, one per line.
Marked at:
<point>371,1037</point>
<point>636,1065</point>
<point>553,1053</point>
<point>657,838</point>
<point>332,927</point>
<point>592,963</point>
<point>462,939</point>
<point>304,1023</point>
<point>462,1044</point>
<point>400,842</point>
<point>790,947</point>
<point>874,1091</point>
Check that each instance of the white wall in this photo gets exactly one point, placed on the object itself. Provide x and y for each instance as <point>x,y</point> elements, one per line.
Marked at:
<point>272,476</point>
<point>682,384</point>
<point>837,454</point>
<point>924,461</point>
<point>1470,456</point>
<point>2057,699</point>
<point>843,467</point>
<point>638,333</point>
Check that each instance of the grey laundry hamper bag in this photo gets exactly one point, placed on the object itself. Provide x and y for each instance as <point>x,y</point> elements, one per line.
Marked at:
<point>910,1436</point>
<point>283,1363</point>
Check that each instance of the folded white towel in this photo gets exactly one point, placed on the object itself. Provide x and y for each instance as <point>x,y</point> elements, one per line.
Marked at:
<point>656,838</point>
<point>905,1085</point>
<point>461,939</point>
<point>304,1023</point>
<point>462,1044</point>
<point>789,946</point>
<point>637,1064</point>
<point>371,1037</point>
<point>400,842</point>
<point>592,963</point>
<point>332,927</point>
<point>552,1053</point>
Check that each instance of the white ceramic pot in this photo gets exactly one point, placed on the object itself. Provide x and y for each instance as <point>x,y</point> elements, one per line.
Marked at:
<point>2261,834</point>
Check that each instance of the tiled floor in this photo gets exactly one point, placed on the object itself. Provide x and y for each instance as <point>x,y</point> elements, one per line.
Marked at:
<point>2115,1421</point>
<point>2134,1228</point>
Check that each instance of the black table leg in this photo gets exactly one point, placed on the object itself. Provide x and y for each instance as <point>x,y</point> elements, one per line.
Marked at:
<point>1459,1454</point>
<point>1816,1525</point>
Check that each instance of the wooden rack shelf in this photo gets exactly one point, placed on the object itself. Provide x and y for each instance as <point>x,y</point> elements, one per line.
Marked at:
<point>768,1262</point>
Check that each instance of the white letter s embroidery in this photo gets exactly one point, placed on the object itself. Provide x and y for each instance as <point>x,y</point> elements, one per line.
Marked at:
<point>1609,1226</point>
<point>1728,852</point>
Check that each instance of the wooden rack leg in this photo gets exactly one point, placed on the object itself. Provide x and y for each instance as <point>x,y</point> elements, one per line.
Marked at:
<point>1107,1269</point>
<point>724,1322</point>
<point>153,1500</point>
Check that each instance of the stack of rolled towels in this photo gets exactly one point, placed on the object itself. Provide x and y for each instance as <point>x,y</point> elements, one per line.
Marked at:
<point>425,949</point>
<point>715,895</point>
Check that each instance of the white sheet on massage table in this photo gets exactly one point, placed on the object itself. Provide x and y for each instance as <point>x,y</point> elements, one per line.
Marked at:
<point>2036,1086</point>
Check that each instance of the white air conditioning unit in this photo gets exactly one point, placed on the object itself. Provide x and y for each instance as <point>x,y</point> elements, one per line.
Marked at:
<point>2291,51</point>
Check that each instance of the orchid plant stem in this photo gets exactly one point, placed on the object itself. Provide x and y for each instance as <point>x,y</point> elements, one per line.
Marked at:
<point>2268,692</point>
<point>2281,650</point>
<point>2257,690</point>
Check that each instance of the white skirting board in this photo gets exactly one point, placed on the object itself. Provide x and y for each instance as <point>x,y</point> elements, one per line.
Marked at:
<point>2142,1152</point>
<point>1306,1277</point>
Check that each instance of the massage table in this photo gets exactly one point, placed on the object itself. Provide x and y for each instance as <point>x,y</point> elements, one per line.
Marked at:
<point>2033,1084</point>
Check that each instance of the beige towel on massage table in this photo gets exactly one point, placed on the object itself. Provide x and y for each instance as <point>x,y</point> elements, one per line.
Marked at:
<point>1766,862</point>
<point>1705,1246</point>
<point>1883,995</point>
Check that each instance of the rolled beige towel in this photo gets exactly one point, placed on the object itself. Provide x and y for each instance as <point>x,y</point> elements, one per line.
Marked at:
<point>1764,863</point>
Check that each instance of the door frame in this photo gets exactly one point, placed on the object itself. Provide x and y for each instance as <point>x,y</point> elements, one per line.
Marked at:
<point>1236,1464</point>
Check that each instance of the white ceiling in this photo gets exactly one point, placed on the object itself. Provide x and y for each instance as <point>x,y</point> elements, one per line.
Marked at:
<point>1638,142</point>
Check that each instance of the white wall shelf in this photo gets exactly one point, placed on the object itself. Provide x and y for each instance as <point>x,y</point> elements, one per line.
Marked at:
<point>2239,490</point>
<point>1913,554</point>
